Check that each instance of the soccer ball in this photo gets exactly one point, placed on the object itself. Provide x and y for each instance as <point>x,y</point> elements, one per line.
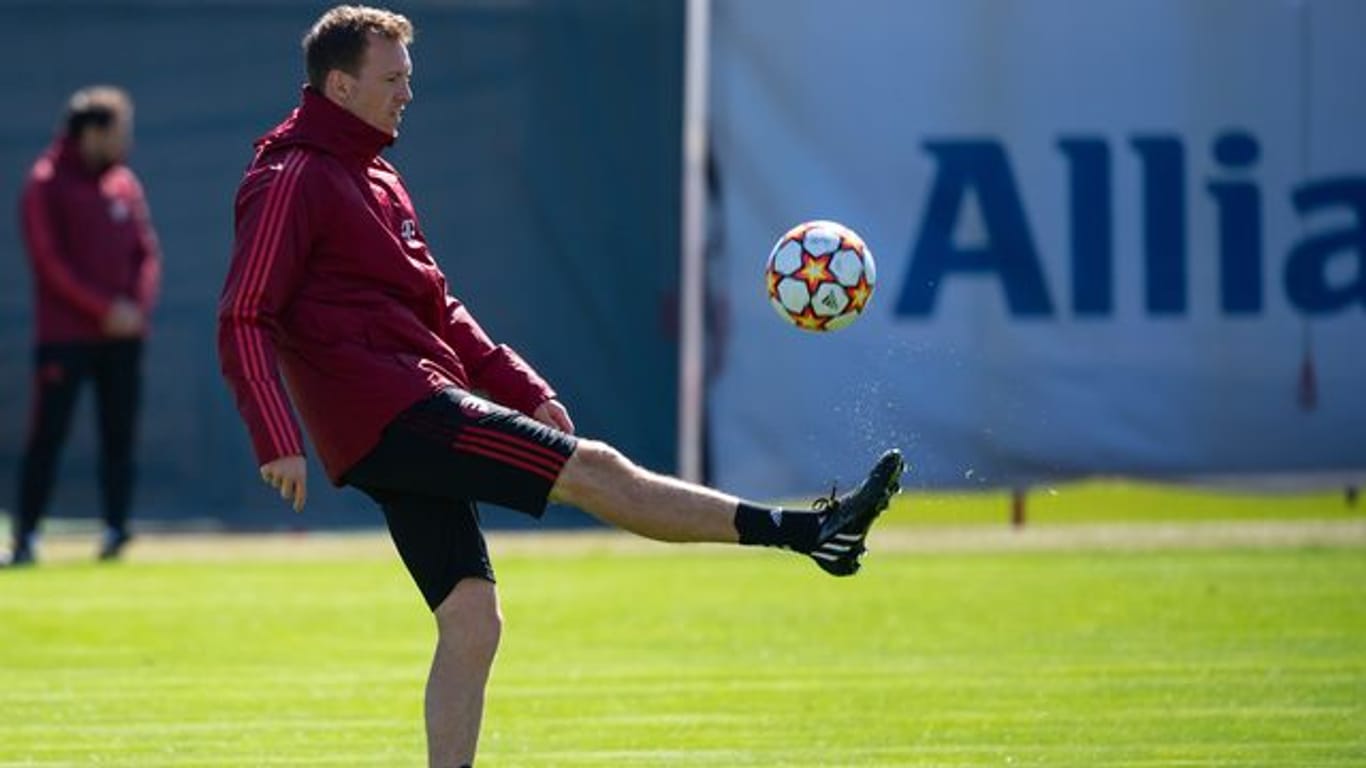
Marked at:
<point>820,276</point>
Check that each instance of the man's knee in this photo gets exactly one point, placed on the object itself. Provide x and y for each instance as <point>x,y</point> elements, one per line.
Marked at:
<point>470,618</point>
<point>597,455</point>
<point>592,466</point>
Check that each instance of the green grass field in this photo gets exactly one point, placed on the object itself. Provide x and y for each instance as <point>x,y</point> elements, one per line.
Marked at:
<point>306,652</point>
<point>1101,501</point>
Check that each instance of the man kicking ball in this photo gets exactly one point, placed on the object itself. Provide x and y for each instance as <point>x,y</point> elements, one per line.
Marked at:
<point>332,286</point>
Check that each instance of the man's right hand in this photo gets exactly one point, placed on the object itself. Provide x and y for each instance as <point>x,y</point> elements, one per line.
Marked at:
<point>123,320</point>
<point>288,475</point>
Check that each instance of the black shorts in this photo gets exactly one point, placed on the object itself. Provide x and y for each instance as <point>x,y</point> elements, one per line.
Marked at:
<point>440,457</point>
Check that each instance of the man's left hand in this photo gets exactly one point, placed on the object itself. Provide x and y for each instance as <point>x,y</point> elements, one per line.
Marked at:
<point>553,413</point>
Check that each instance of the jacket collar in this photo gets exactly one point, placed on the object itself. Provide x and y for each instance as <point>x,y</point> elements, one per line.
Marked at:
<point>319,123</point>
<point>66,156</point>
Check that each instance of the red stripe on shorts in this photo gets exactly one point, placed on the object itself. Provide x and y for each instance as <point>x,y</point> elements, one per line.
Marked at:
<point>503,458</point>
<point>509,450</point>
<point>521,443</point>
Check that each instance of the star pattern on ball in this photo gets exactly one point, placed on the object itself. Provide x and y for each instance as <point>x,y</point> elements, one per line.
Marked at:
<point>859,295</point>
<point>807,320</point>
<point>815,270</point>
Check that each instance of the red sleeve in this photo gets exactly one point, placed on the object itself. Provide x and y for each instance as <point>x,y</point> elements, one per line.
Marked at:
<point>50,268</point>
<point>148,285</point>
<point>271,244</point>
<point>494,368</point>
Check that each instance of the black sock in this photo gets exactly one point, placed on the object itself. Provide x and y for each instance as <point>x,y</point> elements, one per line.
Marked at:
<point>776,527</point>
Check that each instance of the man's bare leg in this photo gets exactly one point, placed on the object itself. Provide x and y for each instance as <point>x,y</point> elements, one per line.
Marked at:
<point>599,480</point>
<point>469,624</point>
<point>602,482</point>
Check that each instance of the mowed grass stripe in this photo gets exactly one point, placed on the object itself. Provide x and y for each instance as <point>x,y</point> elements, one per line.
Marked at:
<point>1240,657</point>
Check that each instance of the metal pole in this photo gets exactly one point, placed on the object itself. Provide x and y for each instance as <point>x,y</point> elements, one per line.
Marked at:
<point>691,365</point>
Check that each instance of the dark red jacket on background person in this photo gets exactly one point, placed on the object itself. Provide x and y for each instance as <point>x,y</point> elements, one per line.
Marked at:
<point>332,281</point>
<point>90,238</point>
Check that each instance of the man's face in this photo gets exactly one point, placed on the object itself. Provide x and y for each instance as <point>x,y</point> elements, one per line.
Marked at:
<point>383,87</point>
<point>108,146</point>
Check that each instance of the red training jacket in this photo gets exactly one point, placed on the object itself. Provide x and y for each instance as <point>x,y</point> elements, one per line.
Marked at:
<point>332,282</point>
<point>90,238</point>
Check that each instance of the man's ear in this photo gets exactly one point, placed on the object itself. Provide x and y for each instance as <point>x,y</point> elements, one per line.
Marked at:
<point>338,86</point>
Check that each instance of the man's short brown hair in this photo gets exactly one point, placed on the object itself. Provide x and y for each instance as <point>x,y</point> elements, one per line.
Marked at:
<point>96,106</point>
<point>338,39</point>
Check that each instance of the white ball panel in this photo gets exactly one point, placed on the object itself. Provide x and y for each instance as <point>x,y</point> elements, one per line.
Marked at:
<point>821,240</point>
<point>836,323</point>
<point>793,295</point>
<point>846,266</point>
<point>787,258</point>
<point>830,300</point>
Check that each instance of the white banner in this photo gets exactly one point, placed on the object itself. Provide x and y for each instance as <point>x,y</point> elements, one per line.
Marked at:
<point>1112,237</point>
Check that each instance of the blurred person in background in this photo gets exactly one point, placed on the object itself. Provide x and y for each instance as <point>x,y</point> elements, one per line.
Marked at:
<point>96,268</point>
